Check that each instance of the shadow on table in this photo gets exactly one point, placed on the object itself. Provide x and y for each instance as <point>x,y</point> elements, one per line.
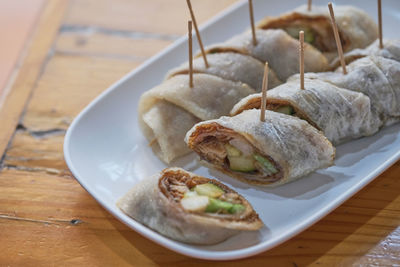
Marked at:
<point>304,249</point>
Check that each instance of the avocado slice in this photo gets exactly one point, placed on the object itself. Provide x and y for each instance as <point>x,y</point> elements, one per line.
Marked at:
<point>285,110</point>
<point>208,189</point>
<point>242,163</point>
<point>265,163</point>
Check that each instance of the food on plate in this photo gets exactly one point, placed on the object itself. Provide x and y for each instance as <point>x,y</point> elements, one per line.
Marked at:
<point>231,66</point>
<point>339,113</point>
<point>270,153</point>
<point>168,111</point>
<point>390,50</point>
<point>189,208</point>
<point>376,77</point>
<point>356,28</point>
<point>277,48</point>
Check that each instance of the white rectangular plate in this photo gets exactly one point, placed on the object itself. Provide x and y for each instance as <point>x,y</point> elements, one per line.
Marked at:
<point>107,153</point>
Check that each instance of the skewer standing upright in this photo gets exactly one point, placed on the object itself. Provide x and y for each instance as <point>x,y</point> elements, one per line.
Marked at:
<point>309,5</point>
<point>197,33</point>
<point>380,24</point>
<point>253,28</point>
<point>301,61</point>
<point>337,38</point>
<point>264,93</point>
<point>190,54</point>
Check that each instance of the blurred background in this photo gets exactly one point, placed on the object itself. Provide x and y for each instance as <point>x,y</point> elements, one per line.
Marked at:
<point>17,20</point>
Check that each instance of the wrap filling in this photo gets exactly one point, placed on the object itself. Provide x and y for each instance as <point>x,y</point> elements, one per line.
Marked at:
<point>231,151</point>
<point>204,196</point>
<point>317,30</point>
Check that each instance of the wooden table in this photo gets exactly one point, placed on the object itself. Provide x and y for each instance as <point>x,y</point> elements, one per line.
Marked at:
<point>79,48</point>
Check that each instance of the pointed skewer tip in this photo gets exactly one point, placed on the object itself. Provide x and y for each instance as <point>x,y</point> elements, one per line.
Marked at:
<point>264,93</point>
<point>253,28</point>
<point>337,38</point>
<point>197,33</point>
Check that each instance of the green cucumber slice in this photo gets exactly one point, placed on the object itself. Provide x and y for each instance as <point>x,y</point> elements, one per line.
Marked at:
<point>208,189</point>
<point>215,205</point>
<point>232,151</point>
<point>293,31</point>
<point>265,163</point>
<point>309,36</point>
<point>236,208</point>
<point>241,164</point>
<point>285,110</point>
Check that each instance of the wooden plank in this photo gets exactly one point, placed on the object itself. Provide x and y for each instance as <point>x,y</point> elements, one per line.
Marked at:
<point>47,220</point>
<point>112,46</point>
<point>68,84</point>
<point>33,152</point>
<point>42,215</point>
<point>31,68</point>
<point>155,16</point>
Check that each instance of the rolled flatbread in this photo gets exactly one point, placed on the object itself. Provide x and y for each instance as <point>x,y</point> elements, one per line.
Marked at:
<point>189,208</point>
<point>356,28</point>
<point>277,151</point>
<point>374,76</point>
<point>231,66</point>
<point>390,50</point>
<point>339,113</point>
<point>277,48</point>
<point>168,111</point>
<point>165,125</point>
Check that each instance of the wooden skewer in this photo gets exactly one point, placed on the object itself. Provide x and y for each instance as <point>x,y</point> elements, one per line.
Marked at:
<point>253,28</point>
<point>337,38</point>
<point>264,93</point>
<point>380,23</point>
<point>197,33</point>
<point>301,51</point>
<point>309,5</point>
<point>190,54</point>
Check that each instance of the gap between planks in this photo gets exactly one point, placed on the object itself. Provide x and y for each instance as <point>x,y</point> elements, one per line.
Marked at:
<point>30,70</point>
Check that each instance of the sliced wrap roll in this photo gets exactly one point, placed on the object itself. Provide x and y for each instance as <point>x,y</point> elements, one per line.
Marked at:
<point>277,48</point>
<point>390,50</point>
<point>231,66</point>
<point>270,153</point>
<point>339,113</point>
<point>189,208</point>
<point>376,77</point>
<point>168,111</point>
<point>356,28</point>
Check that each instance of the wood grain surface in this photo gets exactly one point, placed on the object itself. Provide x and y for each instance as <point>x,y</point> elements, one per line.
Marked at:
<point>47,219</point>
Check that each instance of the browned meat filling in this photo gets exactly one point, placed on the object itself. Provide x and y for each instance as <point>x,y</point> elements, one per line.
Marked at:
<point>232,153</point>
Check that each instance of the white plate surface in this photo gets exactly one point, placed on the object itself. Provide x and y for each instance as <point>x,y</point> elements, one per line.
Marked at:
<point>107,153</point>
